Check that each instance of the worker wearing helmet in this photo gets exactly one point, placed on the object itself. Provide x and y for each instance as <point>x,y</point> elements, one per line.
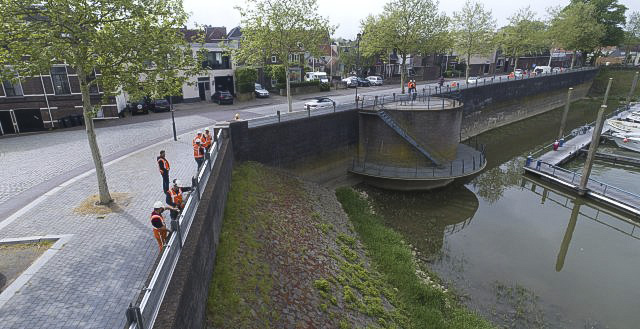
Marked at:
<point>198,152</point>
<point>176,198</point>
<point>198,137</point>
<point>160,230</point>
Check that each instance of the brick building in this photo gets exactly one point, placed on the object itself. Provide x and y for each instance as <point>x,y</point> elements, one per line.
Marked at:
<point>47,101</point>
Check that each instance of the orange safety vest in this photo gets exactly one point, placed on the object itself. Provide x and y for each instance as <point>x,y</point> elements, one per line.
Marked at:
<point>176,197</point>
<point>157,217</point>
<point>198,151</point>
<point>207,140</point>
<point>166,164</point>
<point>194,140</point>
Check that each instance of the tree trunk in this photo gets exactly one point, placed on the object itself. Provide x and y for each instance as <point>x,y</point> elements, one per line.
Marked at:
<point>550,55</point>
<point>515,64</point>
<point>288,79</point>
<point>573,58</point>
<point>103,188</point>
<point>402,71</point>
<point>467,69</point>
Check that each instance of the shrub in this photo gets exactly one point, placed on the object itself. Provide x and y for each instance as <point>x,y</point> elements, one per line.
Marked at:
<point>246,78</point>
<point>325,87</point>
<point>282,85</point>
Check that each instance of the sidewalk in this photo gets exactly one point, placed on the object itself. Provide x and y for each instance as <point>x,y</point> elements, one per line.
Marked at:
<point>92,279</point>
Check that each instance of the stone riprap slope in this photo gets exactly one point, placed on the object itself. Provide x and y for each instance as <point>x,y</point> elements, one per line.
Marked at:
<point>289,258</point>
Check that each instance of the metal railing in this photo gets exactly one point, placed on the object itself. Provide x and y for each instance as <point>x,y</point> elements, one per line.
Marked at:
<point>428,94</point>
<point>144,315</point>
<point>595,186</point>
<point>457,168</point>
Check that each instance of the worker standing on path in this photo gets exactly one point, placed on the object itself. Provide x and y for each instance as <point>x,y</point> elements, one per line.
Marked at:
<point>160,231</point>
<point>198,152</point>
<point>163,166</point>
<point>208,139</point>
<point>176,198</point>
<point>198,137</point>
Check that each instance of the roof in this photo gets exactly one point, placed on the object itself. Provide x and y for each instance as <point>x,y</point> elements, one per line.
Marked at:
<point>213,33</point>
<point>235,33</point>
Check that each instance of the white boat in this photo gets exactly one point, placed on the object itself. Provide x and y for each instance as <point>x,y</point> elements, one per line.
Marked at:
<point>623,127</point>
<point>627,142</point>
<point>633,117</point>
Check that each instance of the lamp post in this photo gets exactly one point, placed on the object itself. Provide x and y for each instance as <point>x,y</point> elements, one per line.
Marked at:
<point>357,66</point>
<point>173,119</point>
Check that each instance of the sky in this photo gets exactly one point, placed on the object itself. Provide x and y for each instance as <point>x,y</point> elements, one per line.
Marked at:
<point>347,14</point>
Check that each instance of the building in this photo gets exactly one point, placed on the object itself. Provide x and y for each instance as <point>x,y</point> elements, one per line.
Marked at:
<point>219,70</point>
<point>51,100</point>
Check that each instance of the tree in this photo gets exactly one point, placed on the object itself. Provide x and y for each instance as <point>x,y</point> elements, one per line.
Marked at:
<point>575,28</point>
<point>473,32</point>
<point>632,32</point>
<point>283,29</point>
<point>135,45</point>
<point>523,35</point>
<point>410,27</point>
<point>611,15</point>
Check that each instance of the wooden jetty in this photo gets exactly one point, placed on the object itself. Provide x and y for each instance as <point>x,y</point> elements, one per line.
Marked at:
<point>615,158</point>
<point>547,166</point>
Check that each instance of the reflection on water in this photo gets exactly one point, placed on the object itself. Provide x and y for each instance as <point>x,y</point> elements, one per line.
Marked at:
<point>526,255</point>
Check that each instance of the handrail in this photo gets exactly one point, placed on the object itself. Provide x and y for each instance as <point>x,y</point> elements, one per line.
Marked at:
<point>144,315</point>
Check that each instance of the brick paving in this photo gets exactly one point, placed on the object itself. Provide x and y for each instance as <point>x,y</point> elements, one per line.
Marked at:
<point>90,282</point>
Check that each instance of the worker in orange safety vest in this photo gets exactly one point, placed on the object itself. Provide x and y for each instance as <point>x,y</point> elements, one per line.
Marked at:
<point>160,230</point>
<point>198,137</point>
<point>198,152</point>
<point>208,139</point>
<point>163,166</point>
<point>176,197</point>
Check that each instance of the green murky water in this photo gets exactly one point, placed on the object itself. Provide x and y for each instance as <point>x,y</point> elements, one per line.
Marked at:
<point>524,254</point>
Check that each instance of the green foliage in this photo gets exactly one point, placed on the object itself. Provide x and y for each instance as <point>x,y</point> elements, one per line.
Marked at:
<point>576,27</point>
<point>246,78</point>
<point>473,31</point>
<point>426,306</point>
<point>609,14</point>
<point>322,285</point>
<point>276,71</point>
<point>325,86</point>
<point>406,26</point>
<point>524,34</point>
<point>298,84</point>
<point>281,28</point>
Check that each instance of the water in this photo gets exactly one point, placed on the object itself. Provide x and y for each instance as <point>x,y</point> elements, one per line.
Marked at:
<point>523,254</point>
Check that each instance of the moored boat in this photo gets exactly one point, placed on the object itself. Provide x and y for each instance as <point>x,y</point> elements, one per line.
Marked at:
<point>627,142</point>
<point>623,127</point>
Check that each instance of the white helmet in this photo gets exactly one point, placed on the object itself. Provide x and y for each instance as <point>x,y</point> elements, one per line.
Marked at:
<point>158,204</point>
<point>198,141</point>
<point>177,182</point>
<point>206,129</point>
<point>199,132</point>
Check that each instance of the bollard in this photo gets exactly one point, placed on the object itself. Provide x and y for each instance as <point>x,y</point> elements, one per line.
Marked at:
<point>443,103</point>
<point>278,116</point>
<point>394,97</point>
<point>375,102</point>
<point>538,164</point>
<point>561,141</point>
<point>334,107</point>
<point>175,227</point>
<point>528,161</point>
<point>309,111</point>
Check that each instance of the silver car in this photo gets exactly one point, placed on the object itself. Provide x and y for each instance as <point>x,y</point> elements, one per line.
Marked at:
<point>375,80</point>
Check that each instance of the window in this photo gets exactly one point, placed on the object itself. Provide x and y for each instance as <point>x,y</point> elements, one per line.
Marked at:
<point>60,80</point>
<point>12,89</point>
<point>217,60</point>
<point>294,58</point>
<point>274,59</point>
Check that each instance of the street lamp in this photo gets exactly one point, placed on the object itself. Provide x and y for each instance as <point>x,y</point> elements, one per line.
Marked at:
<point>357,66</point>
<point>173,119</point>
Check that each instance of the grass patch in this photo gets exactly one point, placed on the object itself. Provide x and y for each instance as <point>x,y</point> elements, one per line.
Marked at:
<point>620,87</point>
<point>241,279</point>
<point>424,305</point>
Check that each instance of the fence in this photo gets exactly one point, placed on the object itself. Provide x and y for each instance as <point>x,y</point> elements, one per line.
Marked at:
<point>144,315</point>
<point>427,95</point>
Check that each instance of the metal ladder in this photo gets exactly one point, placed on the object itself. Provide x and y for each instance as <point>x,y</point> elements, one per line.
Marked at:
<point>394,125</point>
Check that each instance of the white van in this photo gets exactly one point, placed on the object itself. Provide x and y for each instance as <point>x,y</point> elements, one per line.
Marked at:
<point>543,69</point>
<point>375,80</point>
<point>322,76</point>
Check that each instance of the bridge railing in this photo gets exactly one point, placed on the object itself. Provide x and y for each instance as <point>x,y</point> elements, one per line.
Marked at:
<point>144,315</point>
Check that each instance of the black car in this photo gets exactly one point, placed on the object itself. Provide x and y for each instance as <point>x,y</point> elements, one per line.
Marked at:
<point>364,82</point>
<point>222,97</point>
<point>161,105</point>
<point>141,106</point>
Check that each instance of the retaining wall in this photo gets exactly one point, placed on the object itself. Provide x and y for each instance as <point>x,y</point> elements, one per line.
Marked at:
<point>185,302</point>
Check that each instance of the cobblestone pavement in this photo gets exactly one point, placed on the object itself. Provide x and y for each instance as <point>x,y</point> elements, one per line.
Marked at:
<point>103,267</point>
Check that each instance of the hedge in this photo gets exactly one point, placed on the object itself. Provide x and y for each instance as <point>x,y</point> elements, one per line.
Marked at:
<point>298,84</point>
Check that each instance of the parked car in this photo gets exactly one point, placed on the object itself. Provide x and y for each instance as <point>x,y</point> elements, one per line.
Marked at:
<point>556,69</point>
<point>518,73</point>
<point>161,105</point>
<point>222,97</point>
<point>542,70</point>
<point>261,92</point>
<point>363,82</point>
<point>140,106</point>
<point>351,81</point>
<point>375,80</point>
<point>319,103</point>
<point>472,80</point>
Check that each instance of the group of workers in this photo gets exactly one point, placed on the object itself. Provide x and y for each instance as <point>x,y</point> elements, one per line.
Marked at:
<point>174,198</point>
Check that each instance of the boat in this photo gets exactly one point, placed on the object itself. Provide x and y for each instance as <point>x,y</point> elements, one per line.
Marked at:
<point>629,142</point>
<point>633,117</point>
<point>623,127</point>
